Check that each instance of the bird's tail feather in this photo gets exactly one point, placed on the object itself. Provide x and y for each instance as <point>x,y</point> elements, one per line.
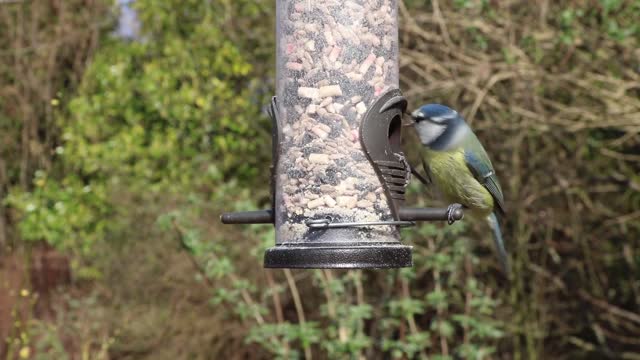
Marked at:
<point>497,237</point>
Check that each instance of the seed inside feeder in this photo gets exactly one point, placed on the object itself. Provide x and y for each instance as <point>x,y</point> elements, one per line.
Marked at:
<point>331,90</point>
<point>334,59</point>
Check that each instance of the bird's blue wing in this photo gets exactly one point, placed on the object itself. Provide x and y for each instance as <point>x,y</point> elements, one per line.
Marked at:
<point>478,162</point>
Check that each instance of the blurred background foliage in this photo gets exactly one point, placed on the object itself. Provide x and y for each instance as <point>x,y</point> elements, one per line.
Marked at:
<point>118,154</point>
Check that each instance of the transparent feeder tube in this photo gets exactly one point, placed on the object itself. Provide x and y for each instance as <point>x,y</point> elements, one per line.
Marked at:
<point>334,59</point>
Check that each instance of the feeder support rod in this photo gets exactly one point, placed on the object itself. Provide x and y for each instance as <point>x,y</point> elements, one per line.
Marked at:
<point>406,214</point>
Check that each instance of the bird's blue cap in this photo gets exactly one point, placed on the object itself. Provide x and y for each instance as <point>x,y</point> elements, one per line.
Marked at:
<point>434,112</point>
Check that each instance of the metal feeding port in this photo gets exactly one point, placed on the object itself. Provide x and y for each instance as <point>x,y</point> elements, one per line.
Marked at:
<point>338,174</point>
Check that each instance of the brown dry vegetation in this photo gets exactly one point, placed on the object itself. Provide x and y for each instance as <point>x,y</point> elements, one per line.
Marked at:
<point>562,122</point>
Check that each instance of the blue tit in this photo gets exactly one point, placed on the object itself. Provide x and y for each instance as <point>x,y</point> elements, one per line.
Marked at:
<point>460,168</point>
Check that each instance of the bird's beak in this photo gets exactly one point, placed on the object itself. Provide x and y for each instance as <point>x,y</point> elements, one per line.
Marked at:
<point>409,123</point>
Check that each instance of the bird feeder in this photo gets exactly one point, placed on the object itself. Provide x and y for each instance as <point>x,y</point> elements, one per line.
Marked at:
<point>338,174</point>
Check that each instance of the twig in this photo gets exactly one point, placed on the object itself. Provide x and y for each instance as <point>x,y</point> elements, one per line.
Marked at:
<point>467,298</point>
<point>342,330</point>
<point>357,279</point>
<point>609,307</point>
<point>492,81</point>
<point>298,304</point>
<point>413,327</point>
<point>437,14</point>
<point>331,308</point>
<point>277,304</point>
<point>444,346</point>
<point>407,295</point>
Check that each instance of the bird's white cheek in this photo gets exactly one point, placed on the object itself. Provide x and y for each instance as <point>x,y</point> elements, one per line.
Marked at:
<point>430,132</point>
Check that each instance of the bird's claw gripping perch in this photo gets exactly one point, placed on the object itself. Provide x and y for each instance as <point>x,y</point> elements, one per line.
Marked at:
<point>454,213</point>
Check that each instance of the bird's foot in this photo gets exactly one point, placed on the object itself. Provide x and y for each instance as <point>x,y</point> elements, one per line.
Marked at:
<point>454,213</point>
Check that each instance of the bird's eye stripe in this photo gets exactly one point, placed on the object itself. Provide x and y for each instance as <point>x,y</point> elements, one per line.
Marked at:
<point>441,118</point>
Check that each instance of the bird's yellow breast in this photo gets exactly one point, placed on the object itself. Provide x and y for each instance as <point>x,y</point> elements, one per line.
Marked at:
<point>456,182</point>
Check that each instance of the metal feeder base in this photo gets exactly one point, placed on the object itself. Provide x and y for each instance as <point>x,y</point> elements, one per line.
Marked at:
<point>339,256</point>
